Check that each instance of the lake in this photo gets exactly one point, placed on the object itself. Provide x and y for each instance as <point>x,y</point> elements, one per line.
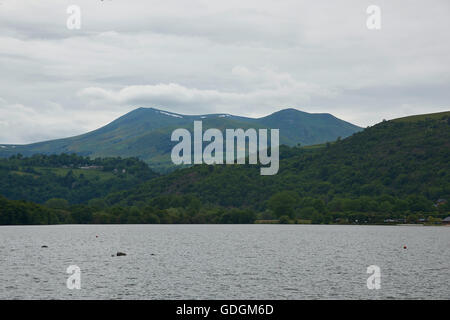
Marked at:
<point>224,261</point>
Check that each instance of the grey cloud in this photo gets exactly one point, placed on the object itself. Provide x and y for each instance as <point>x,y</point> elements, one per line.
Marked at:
<point>240,57</point>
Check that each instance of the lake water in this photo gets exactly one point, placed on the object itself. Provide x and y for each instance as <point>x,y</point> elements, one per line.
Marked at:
<point>224,261</point>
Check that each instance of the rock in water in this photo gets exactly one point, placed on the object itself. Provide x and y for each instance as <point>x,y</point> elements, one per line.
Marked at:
<point>44,247</point>
<point>121,254</point>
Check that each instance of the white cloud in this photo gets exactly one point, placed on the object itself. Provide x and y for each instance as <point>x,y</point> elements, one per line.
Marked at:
<point>23,124</point>
<point>268,89</point>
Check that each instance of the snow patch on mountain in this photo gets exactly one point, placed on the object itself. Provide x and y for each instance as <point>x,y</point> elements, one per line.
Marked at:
<point>170,114</point>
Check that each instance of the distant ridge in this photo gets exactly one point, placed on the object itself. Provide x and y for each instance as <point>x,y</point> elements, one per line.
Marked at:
<point>145,133</point>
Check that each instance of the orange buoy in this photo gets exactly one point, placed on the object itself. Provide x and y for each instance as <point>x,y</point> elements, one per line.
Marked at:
<point>404,247</point>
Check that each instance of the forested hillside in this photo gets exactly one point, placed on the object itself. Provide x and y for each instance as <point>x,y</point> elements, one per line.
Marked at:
<point>400,166</point>
<point>73,178</point>
<point>394,171</point>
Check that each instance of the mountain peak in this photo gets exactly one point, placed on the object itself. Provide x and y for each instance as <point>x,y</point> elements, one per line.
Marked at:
<point>145,133</point>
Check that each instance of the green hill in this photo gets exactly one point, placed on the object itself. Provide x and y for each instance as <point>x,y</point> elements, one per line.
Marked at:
<point>145,133</point>
<point>394,172</point>
<point>395,167</point>
<point>73,178</point>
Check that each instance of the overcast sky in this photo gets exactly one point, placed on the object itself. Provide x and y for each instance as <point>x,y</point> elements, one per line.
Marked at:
<point>241,57</point>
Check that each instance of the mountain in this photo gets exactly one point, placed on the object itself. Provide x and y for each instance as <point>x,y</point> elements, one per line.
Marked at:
<point>396,167</point>
<point>397,170</point>
<point>145,133</point>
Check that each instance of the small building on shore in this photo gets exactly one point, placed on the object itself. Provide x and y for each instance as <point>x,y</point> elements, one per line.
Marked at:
<point>446,220</point>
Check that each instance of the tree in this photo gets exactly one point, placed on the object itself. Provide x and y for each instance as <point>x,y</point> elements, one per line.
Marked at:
<point>284,219</point>
<point>57,203</point>
<point>81,214</point>
<point>283,203</point>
